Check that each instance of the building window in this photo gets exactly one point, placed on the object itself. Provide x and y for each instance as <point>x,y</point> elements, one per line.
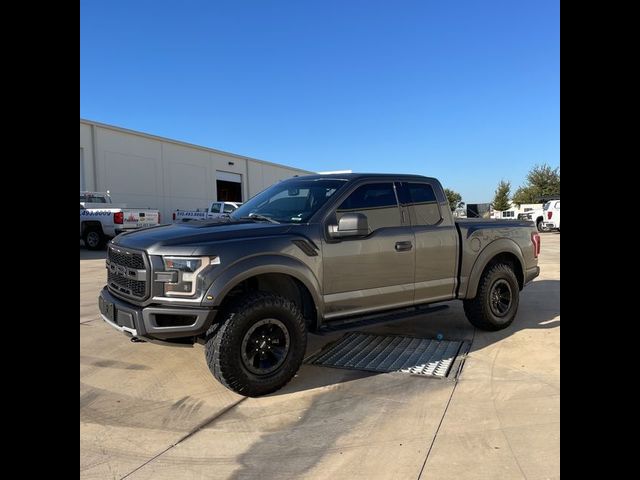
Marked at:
<point>510,214</point>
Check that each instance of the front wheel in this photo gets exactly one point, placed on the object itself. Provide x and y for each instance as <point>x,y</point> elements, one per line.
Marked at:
<point>259,344</point>
<point>496,302</point>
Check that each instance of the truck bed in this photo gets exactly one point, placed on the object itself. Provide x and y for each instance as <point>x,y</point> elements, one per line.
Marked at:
<point>479,236</point>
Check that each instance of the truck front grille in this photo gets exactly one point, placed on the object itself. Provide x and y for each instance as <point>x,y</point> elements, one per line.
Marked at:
<point>134,288</point>
<point>127,273</point>
<point>126,258</point>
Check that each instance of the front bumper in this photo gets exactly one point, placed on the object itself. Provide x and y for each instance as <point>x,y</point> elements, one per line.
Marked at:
<point>156,324</point>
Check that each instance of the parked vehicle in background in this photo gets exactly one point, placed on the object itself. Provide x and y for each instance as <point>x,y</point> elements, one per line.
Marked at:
<point>95,198</point>
<point>216,210</point>
<point>302,254</point>
<point>552,215</point>
<point>536,215</point>
<point>479,210</point>
<point>101,219</point>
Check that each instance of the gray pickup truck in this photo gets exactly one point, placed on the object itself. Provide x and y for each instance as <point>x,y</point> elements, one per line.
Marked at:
<point>304,253</point>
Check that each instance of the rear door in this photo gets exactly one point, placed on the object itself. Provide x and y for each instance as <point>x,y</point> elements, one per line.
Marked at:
<point>374,272</point>
<point>436,240</point>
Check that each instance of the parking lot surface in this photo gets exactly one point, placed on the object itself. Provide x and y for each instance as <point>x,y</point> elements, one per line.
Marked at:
<point>148,411</point>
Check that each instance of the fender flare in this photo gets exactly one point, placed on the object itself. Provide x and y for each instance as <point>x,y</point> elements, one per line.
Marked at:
<point>262,264</point>
<point>495,248</point>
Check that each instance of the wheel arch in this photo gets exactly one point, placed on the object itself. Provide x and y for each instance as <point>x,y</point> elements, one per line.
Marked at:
<point>278,274</point>
<point>500,251</point>
<point>91,225</point>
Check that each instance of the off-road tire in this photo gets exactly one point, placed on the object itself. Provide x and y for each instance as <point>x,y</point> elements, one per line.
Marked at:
<point>224,340</point>
<point>479,310</point>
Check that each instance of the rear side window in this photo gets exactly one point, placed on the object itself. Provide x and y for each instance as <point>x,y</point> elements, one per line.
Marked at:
<point>375,200</point>
<point>92,199</point>
<point>426,210</point>
<point>215,207</point>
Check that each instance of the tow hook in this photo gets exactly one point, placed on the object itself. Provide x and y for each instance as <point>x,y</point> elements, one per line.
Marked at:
<point>137,340</point>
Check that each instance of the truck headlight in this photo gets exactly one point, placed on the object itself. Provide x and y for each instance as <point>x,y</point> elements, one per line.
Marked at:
<point>186,271</point>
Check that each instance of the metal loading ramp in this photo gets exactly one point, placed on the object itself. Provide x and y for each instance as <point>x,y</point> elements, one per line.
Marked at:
<point>393,353</point>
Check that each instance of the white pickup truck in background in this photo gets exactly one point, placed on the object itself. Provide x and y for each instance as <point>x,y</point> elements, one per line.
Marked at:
<point>552,215</point>
<point>216,210</point>
<point>101,219</point>
<point>536,215</point>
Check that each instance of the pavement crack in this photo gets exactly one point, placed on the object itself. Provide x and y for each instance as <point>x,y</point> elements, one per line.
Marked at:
<point>206,422</point>
<point>444,413</point>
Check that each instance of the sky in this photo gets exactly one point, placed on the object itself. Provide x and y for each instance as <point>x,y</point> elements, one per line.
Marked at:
<point>465,91</point>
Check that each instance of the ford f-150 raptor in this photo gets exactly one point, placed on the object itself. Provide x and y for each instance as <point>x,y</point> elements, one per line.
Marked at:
<point>306,252</point>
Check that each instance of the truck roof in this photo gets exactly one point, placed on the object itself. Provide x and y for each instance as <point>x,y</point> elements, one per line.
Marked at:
<point>357,176</point>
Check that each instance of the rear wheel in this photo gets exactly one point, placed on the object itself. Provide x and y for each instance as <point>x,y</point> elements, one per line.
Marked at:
<point>259,345</point>
<point>496,302</point>
<point>93,239</point>
<point>540,226</point>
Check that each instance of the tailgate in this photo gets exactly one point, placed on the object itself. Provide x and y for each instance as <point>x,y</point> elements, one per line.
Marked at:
<point>140,218</point>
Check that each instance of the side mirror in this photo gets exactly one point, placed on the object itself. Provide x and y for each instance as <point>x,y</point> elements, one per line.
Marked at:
<point>350,225</point>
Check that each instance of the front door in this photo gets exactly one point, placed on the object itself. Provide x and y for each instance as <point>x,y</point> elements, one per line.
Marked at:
<point>374,272</point>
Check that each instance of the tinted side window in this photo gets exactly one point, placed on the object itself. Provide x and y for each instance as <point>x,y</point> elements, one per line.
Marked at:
<point>375,200</point>
<point>228,208</point>
<point>215,207</point>
<point>425,205</point>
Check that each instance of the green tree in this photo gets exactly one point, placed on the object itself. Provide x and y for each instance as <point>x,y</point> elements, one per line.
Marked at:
<point>525,195</point>
<point>541,180</point>
<point>501,199</point>
<point>454,198</point>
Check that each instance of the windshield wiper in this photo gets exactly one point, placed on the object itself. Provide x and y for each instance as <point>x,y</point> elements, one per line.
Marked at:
<point>257,216</point>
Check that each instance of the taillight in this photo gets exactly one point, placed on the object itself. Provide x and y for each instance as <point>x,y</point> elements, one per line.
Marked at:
<point>174,216</point>
<point>118,217</point>
<point>535,239</point>
<point>549,215</point>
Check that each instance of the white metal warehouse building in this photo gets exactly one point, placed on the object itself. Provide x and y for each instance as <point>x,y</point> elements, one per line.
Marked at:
<point>145,170</point>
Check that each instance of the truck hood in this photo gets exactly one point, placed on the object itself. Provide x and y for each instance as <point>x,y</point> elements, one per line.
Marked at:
<point>194,238</point>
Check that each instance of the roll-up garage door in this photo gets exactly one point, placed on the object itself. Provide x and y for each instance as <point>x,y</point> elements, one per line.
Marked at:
<point>229,186</point>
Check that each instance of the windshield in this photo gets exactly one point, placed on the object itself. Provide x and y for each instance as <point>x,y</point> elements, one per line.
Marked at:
<point>292,201</point>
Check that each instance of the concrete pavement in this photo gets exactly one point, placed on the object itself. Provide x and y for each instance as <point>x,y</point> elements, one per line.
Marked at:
<point>148,411</point>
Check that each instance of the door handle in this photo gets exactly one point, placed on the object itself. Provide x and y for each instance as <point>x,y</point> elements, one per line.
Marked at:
<point>403,246</point>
